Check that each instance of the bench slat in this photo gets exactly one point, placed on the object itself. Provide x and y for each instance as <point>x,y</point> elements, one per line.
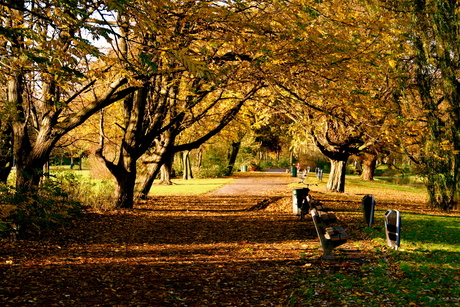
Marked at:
<point>322,207</point>
<point>335,233</point>
<point>343,234</point>
<point>327,217</point>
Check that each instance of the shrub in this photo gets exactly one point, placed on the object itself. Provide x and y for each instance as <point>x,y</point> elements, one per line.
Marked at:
<point>214,171</point>
<point>95,193</point>
<point>60,199</point>
<point>29,211</point>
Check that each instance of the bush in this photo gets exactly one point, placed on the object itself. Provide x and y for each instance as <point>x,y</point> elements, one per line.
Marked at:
<point>29,211</point>
<point>214,163</point>
<point>95,193</point>
<point>215,171</point>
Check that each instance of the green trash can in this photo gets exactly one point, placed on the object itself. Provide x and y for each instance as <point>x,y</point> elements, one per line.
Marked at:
<point>244,168</point>
<point>293,171</point>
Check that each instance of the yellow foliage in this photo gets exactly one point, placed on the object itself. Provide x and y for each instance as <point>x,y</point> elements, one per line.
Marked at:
<point>6,210</point>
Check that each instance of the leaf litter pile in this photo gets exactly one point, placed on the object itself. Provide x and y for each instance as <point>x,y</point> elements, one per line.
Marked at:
<point>209,250</point>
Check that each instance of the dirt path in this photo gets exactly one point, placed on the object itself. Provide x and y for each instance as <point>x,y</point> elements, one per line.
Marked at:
<point>211,250</point>
<point>255,183</point>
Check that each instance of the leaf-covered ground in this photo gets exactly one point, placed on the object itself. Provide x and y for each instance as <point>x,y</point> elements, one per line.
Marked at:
<point>212,250</point>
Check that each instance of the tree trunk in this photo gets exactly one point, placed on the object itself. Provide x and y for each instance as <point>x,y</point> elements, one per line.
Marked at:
<point>156,157</point>
<point>187,166</point>
<point>166,170</point>
<point>29,160</point>
<point>232,158</point>
<point>199,158</point>
<point>369,166</point>
<point>336,181</point>
<point>148,179</point>
<point>124,192</point>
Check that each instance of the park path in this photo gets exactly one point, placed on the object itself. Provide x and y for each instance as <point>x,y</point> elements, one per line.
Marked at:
<point>238,246</point>
<point>258,183</point>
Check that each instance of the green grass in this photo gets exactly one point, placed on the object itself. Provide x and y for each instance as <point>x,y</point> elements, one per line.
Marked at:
<point>179,187</point>
<point>355,182</point>
<point>427,267</point>
<point>189,187</point>
<point>425,271</point>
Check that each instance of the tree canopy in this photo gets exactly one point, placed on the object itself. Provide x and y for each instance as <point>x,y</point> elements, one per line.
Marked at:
<point>360,77</point>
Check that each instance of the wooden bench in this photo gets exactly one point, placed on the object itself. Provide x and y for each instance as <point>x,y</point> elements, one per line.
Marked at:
<point>329,235</point>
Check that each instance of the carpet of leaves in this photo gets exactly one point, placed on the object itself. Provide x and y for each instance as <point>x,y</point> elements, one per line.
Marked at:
<point>246,250</point>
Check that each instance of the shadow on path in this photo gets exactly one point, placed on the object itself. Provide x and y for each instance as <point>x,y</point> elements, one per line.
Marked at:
<point>210,250</point>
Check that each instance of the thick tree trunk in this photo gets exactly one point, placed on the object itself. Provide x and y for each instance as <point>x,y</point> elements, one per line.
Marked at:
<point>29,161</point>
<point>124,192</point>
<point>125,176</point>
<point>336,181</point>
<point>232,157</point>
<point>166,170</point>
<point>147,180</point>
<point>369,166</point>
<point>29,171</point>
<point>187,166</point>
<point>28,168</point>
<point>156,157</point>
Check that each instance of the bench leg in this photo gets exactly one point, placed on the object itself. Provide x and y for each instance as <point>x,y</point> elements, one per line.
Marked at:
<point>327,249</point>
<point>327,246</point>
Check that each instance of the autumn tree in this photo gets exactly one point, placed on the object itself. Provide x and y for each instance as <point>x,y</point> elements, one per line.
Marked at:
<point>187,54</point>
<point>370,156</point>
<point>46,70</point>
<point>428,97</point>
<point>327,75</point>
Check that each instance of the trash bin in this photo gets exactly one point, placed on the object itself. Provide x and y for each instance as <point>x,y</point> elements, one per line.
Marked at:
<point>244,168</point>
<point>297,196</point>
<point>293,171</point>
<point>368,204</point>
<point>393,228</point>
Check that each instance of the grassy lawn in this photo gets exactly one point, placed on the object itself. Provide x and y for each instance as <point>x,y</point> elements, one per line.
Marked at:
<point>425,271</point>
<point>189,187</point>
<point>194,186</point>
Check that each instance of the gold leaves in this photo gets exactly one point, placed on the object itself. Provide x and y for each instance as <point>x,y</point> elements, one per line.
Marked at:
<point>195,67</point>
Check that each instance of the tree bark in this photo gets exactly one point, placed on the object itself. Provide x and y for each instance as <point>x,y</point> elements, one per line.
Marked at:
<point>124,191</point>
<point>166,170</point>
<point>369,166</point>
<point>336,182</point>
<point>156,156</point>
<point>232,157</point>
<point>187,166</point>
<point>148,179</point>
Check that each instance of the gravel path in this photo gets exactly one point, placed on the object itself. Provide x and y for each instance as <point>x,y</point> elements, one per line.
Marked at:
<point>257,183</point>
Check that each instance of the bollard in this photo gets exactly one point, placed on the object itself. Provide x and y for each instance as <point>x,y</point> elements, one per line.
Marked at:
<point>368,204</point>
<point>393,228</point>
